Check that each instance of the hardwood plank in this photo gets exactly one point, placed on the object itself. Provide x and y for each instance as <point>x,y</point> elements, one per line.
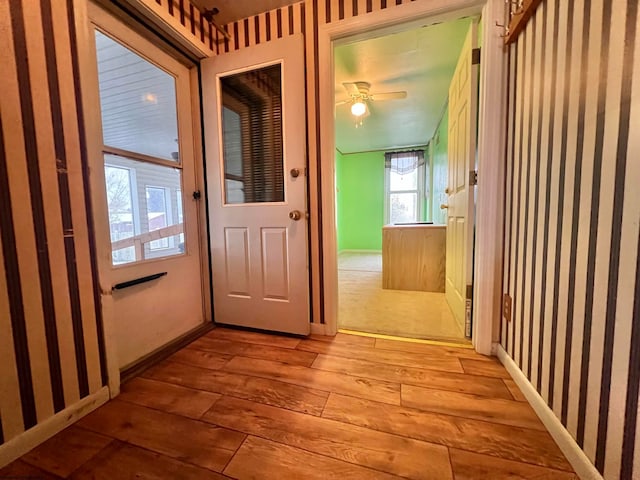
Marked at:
<point>263,459</point>
<point>457,382</point>
<point>125,462</point>
<point>488,369</point>
<point>168,397</point>
<point>262,390</point>
<point>181,438</point>
<point>200,358</point>
<point>510,443</point>
<point>405,359</point>
<point>24,471</point>
<point>65,452</point>
<point>383,391</point>
<point>381,451</point>
<point>473,466</point>
<point>225,347</point>
<point>274,339</point>
<point>428,349</point>
<point>343,338</point>
<point>515,390</point>
<point>284,355</point>
<point>496,410</point>
<point>254,350</point>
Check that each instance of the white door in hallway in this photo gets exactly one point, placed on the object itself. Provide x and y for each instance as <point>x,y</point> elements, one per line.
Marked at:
<point>143,177</point>
<point>463,105</point>
<point>254,123</point>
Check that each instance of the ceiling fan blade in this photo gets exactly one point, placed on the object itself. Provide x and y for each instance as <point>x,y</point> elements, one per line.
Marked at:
<point>352,88</point>
<point>343,102</point>
<point>388,96</point>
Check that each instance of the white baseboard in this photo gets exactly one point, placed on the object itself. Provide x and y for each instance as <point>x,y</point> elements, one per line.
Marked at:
<point>18,446</point>
<point>575,455</point>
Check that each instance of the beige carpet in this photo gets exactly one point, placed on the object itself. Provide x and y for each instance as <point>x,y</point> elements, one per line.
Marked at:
<point>365,306</point>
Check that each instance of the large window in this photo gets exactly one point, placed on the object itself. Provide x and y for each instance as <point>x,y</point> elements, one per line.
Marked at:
<point>404,186</point>
<point>143,170</point>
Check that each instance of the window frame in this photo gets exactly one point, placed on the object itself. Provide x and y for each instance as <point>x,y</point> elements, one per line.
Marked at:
<point>419,191</point>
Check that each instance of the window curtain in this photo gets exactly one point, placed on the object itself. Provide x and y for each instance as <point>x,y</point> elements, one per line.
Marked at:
<point>404,162</point>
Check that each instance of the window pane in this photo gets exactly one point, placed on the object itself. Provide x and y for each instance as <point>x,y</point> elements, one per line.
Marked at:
<point>145,209</point>
<point>138,102</point>
<point>408,181</point>
<point>120,203</point>
<point>157,215</point>
<point>403,207</point>
<point>252,136</point>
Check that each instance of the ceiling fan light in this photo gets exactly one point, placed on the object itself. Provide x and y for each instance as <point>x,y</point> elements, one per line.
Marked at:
<point>358,108</point>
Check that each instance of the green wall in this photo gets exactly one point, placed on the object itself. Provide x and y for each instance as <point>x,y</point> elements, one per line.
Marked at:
<point>439,145</point>
<point>360,200</point>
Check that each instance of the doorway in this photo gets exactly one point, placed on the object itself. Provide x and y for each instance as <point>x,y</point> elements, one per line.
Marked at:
<point>397,250</point>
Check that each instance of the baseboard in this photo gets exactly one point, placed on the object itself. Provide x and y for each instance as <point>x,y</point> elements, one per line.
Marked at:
<point>163,352</point>
<point>575,455</point>
<point>23,443</point>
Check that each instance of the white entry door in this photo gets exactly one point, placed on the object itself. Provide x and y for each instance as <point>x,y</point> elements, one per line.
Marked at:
<point>254,122</point>
<point>143,178</point>
<point>463,104</point>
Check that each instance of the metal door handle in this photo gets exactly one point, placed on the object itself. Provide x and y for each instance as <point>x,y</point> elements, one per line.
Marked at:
<point>447,191</point>
<point>295,215</point>
<point>443,206</point>
<point>295,172</point>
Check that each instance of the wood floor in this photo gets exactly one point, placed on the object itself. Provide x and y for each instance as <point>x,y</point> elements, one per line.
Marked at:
<point>245,405</point>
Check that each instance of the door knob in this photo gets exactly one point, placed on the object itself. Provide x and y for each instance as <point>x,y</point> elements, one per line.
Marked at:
<point>443,206</point>
<point>447,191</point>
<point>295,215</point>
<point>295,172</point>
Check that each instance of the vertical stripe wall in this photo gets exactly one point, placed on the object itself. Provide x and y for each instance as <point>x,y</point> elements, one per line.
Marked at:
<point>50,337</point>
<point>572,226</point>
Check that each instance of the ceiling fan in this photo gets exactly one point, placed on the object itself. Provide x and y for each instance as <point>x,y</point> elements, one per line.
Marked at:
<point>360,96</point>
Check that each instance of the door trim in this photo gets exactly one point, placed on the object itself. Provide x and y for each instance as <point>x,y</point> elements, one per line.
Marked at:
<point>489,206</point>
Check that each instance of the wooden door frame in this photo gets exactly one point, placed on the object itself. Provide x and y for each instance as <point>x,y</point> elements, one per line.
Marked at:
<point>491,138</point>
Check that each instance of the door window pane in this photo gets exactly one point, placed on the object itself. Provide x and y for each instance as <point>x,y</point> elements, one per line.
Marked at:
<point>404,207</point>
<point>121,215</point>
<point>252,136</point>
<point>138,102</point>
<point>157,215</point>
<point>145,209</point>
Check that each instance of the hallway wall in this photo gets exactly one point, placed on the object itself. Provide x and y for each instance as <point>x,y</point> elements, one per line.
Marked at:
<point>50,334</point>
<point>572,227</point>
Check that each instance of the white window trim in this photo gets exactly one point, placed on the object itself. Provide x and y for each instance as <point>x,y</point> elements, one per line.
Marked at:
<point>420,193</point>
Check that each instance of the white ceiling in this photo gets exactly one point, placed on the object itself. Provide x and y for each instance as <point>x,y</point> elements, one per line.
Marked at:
<point>420,62</point>
<point>231,10</point>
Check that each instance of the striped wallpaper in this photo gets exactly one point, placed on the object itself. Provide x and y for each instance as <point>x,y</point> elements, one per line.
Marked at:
<point>572,225</point>
<point>50,337</point>
<point>186,19</point>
